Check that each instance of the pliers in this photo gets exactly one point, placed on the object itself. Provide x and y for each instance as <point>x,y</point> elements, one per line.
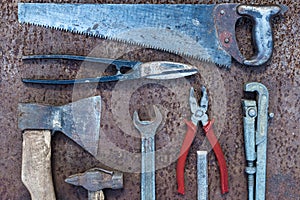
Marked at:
<point>199,114</point>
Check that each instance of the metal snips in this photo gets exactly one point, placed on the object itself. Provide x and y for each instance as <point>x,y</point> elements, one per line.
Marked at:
<point>125,70</point>
<point>199,115</point>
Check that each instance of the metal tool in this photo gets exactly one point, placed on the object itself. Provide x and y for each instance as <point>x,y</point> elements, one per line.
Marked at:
<point>79,120</point>
<point>148,130</point>
<point>135,70</point>
<point>202,175</point>
<point>95,180</point>
<point>199,114</point>
<point>204,32</point>
<point>255,134</point>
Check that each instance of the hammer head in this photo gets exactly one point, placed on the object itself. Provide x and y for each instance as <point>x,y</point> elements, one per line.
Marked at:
<point>79,120</point>
<point>97,179</point>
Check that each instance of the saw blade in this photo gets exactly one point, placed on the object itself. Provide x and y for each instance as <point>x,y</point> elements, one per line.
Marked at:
<point>183,29</point>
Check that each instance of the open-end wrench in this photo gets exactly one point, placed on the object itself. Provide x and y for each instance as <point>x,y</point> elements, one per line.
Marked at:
<point>148,130</point>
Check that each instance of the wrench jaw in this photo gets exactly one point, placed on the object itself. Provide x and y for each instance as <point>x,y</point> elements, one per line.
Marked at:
<point>147,128</point>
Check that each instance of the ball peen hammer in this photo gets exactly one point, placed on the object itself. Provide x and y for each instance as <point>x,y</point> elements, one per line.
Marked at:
<point>95,180</point>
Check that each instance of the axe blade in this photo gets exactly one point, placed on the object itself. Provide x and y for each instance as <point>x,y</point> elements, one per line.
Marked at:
<point>79,120</point>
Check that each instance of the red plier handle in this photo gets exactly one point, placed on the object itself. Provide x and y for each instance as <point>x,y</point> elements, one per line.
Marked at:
<point>191,131</point>
<point>187,142</point>
<point>219,154</point>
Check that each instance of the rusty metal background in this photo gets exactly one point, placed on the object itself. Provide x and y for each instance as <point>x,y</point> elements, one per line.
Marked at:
<point>281,76</point>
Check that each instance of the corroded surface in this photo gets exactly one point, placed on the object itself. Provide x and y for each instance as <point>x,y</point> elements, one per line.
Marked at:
<point>225,89</point>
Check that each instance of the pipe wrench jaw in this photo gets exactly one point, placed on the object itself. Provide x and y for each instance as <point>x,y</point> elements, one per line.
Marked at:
<point>249,108</point>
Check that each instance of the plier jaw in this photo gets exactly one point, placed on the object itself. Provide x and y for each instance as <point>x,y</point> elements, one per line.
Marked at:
<point>199,111</point>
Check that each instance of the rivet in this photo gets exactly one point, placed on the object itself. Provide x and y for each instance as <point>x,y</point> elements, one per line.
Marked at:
<point>222,12</point>
<point>226,40</point>
<point>252,112</point>
<point>271,115</point>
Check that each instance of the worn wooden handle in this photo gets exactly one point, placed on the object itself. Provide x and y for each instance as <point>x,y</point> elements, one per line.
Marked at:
<point>36,164</point>
<point>97,195</point>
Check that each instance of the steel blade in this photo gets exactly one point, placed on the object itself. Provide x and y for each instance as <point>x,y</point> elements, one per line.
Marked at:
<point>184,29</point>
<point>79,120</point>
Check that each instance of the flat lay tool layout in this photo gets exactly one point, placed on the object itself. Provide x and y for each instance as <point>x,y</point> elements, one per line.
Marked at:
<point>67,139</point>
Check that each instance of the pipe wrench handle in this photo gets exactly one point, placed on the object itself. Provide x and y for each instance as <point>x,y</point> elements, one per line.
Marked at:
<point>187,142</point>
<point>219,154</point>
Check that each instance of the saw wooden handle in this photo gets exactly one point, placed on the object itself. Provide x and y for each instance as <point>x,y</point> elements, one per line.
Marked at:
<point>262,31</point>
<point>226,16</point>
<point>36,164</point>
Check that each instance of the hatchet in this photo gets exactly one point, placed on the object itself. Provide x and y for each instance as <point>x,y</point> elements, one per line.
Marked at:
<point>80,121</point>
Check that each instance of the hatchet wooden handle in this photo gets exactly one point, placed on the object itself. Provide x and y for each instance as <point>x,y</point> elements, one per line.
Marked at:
<point>36,164</point>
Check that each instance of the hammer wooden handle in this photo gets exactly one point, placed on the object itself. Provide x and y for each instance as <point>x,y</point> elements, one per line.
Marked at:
<point>98,195</point>
<point>36,164</point>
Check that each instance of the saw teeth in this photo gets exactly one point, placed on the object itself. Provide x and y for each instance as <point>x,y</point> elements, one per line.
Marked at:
<point>129,42</point>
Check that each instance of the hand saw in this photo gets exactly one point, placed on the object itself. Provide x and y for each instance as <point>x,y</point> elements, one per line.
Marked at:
<point>204,32</point>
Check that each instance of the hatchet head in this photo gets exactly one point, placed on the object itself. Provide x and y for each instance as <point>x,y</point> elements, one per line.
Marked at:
<point>79,120</point>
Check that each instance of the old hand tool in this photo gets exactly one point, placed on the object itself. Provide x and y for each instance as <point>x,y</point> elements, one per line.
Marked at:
<point>199,114</point>
<point>79,120</point>
<point>95,180</point>
<point>202,175</point>
<point>204,32</point>
<point>148,130</point>
<point>255,135</point>
<point>149,70</point>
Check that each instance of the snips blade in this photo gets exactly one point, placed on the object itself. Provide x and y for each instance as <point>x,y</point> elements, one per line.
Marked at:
<point>166,70</point>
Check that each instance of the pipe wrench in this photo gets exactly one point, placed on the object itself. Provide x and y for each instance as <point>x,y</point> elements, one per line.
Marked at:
<point>255,135</point>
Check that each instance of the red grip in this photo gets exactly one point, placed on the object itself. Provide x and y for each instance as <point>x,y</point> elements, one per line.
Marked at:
<point>219,154</point>
<point>189,137</point>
